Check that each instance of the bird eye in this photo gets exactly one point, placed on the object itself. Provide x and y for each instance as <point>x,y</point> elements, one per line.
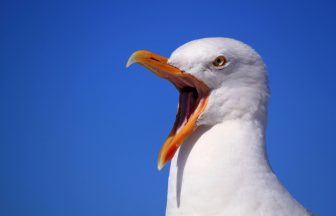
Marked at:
<point>219,61</point>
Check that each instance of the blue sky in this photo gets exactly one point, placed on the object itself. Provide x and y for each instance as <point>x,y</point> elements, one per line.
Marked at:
<point>80,134</point>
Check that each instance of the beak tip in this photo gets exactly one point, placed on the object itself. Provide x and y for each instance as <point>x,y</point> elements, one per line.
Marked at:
<point>129,62</point>
<point>160,165</point>
<point>133,58</point>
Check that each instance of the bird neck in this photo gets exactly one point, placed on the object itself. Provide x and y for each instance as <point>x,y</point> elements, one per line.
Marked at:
<point>216,164</point>
<point>228,149</point>
<point>224,170</point>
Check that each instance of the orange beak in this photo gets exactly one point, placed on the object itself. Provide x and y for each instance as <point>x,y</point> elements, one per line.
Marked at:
<point>192,101</point>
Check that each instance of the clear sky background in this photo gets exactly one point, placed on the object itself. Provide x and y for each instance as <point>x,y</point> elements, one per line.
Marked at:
<point>80,134</point>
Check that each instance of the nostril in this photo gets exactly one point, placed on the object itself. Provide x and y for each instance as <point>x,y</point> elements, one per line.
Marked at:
<point>154,59</point>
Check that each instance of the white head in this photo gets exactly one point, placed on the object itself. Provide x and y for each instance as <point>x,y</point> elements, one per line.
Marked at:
<point>238,88</point>
<point>218,79</point>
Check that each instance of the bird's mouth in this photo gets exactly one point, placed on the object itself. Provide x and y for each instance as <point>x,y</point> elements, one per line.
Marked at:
<point>192,101</point>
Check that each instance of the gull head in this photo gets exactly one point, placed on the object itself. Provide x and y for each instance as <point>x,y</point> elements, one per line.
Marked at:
<point>218,79</point>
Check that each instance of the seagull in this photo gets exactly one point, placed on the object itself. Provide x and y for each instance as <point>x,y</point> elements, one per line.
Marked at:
<point>219,163</point>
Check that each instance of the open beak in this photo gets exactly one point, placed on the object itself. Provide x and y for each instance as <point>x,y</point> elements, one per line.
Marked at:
<point>192,101</point>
